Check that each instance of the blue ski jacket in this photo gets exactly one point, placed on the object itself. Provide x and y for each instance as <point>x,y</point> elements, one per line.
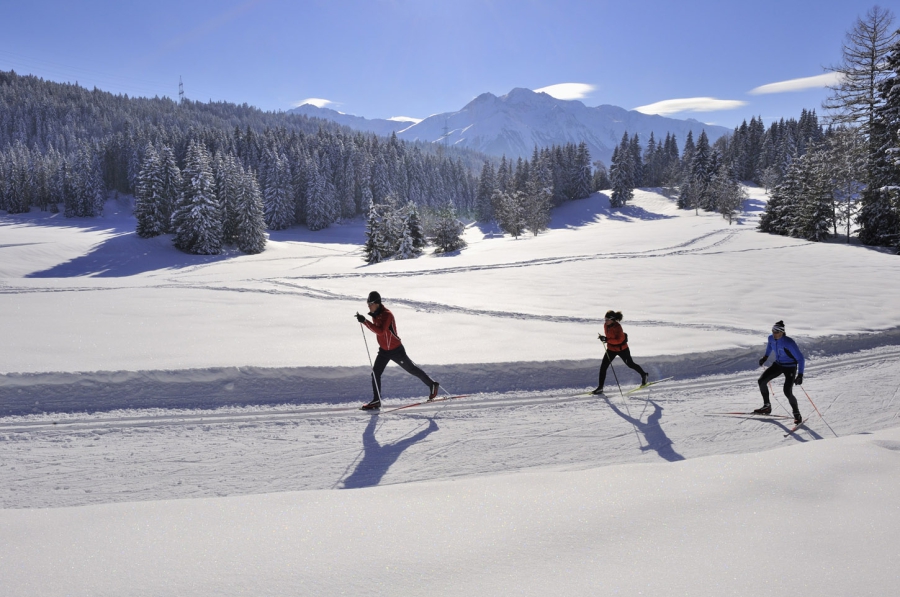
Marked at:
<point>787,353</point>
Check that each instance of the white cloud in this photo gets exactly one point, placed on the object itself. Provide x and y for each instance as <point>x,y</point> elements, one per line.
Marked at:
<point>826,80</point>
<point>315,101</point>
<point>690,104</point>
<point>406,119</point>
<point>567,91</point>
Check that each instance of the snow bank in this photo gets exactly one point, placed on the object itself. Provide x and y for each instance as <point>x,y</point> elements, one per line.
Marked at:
<point>815,519</point>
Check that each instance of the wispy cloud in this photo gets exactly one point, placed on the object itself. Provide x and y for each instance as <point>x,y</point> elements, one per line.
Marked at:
<point>567,91</point>
<point>690,104</point>
<point>406,119</point>
<point>826,80</point>
<point>315,101</point>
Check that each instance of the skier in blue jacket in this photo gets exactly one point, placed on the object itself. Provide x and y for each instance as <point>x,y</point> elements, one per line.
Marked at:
<point>789,361</point>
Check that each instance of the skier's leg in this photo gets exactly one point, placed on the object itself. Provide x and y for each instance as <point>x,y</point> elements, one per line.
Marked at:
<point>629,362</point>
<point>789,376</point>
<point>768,375</point>
<point>381,361</point>
<point>400,357</point>
<point>607,359</point>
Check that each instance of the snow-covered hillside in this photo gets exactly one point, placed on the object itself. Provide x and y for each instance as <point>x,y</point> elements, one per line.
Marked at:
<point>174,424</point>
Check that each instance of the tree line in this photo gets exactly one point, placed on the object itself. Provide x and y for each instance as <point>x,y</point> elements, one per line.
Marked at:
<point>61,144</point>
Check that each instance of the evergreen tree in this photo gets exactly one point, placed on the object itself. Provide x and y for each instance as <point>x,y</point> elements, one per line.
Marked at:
<point>148,197</point>
<point>486,187</point>
<point>448,230</point>
<point>815,216</point>
<point>510,211</point>
<point>728,191</point>
<point>622,174</point>
<point>278,192</point>
<point>197,220</point>
<point>170,193</point>
<point>250,223</point>
<point>376,248</point>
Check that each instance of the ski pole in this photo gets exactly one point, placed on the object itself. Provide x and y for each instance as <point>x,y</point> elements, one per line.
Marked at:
<point>817,409</point>
<point>371,366</point>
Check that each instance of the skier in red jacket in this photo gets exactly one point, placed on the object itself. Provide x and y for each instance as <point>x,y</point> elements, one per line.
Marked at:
<point>389,349</point>
<point>616,345</point>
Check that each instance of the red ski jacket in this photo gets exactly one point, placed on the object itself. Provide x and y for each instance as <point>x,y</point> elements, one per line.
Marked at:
<point>385,328</point>
<point>616,340</point>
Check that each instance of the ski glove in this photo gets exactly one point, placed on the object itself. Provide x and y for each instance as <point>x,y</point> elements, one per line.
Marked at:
<point>762,361</point>
<point>799,380</point>
<point>360,318</point>
<point>601,337</point>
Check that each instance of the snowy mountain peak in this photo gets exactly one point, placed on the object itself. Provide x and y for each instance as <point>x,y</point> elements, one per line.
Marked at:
<point>514,123</point>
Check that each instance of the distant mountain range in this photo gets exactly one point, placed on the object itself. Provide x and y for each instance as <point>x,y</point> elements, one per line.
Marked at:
<point>514,123</point>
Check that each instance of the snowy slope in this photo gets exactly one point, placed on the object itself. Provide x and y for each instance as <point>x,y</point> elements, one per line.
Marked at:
<point>172,424</point>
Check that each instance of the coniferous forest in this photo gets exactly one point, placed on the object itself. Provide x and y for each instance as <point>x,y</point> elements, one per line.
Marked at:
<point>216,174</point>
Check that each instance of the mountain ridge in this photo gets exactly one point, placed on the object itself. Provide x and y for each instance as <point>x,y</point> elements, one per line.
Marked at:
<point>514,123</point>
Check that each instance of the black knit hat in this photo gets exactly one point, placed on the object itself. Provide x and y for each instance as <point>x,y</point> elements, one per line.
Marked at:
<point>374,297</point>
<point>778,327</point>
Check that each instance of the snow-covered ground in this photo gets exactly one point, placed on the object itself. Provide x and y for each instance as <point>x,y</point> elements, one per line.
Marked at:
<point>173,424</point>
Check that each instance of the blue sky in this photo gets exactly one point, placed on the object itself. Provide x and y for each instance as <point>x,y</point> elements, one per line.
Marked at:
<point>414,58</point>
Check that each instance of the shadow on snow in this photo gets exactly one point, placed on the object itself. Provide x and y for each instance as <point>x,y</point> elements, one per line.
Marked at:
<point>378,458</point>
<point>653,433</point>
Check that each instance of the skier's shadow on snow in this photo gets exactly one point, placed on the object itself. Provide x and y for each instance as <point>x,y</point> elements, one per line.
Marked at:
<point>653,433</point>
<point>378,458</point>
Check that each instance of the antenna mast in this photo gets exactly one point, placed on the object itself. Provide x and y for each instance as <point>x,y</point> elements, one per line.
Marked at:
<point>180,91</point>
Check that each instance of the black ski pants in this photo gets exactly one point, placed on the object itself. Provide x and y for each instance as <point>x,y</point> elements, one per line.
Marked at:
<point>774,370</point>
<point>608,359</point>
<point>398,355</point>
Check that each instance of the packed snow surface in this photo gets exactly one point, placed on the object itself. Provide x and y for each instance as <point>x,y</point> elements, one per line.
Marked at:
<point>174,424</point>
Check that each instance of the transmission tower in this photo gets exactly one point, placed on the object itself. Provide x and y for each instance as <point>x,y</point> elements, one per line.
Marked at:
<point>180,91</point>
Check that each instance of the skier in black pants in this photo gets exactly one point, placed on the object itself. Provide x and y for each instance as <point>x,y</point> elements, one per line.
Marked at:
<point>389,349</point>
<point>789,361</point>
<point>616,345</point>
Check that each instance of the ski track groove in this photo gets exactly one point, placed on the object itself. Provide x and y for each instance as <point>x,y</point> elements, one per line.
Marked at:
<point>563,396</point>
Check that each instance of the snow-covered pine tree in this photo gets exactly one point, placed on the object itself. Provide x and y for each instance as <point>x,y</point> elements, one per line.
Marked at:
<point>486,187</point>
<point>377,248</point>
<point>89,192</point>
<point>448,230</point>
<point>148,196</point>
<point>846,162</point>
<point>637,161</point>
<point>782,208</point>
<point>621,174</point>
<point>278,195</point>
<point>536,208</point>
<point>510,212</point>
<point>600,178</point>
<point>229,174</point>
<point>701,175</point>
<point>197,220</point>
<point>582,171</point>
<point>728,191</point>
<point>250,223</point>
<point>170,174</point>
<point>415,228</point>
<point>815,213</point>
